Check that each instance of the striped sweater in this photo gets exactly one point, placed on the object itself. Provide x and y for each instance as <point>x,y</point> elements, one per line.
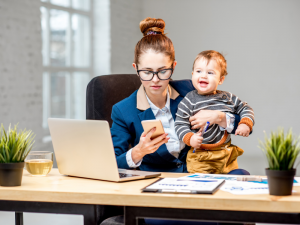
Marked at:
<point>221,101</point>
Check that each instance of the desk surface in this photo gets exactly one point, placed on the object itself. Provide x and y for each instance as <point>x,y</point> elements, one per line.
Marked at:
<point>64,189</point>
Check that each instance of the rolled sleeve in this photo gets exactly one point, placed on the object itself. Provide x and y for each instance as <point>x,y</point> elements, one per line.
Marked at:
<point>229,122</point>
<point>130,162</point>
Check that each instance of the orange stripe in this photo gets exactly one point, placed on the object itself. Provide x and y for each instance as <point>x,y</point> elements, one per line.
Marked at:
<point>247,121</point>
<point>211,146</point>
<point>187,138</point>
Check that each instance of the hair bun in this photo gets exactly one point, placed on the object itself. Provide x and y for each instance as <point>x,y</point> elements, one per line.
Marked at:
<point>152,24</point>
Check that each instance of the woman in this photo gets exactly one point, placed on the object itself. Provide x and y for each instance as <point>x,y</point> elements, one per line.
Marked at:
<point>157,98</point>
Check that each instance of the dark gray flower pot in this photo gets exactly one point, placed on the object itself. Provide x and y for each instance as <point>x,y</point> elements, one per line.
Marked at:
<point>280,181</point>
<point>11,174</point>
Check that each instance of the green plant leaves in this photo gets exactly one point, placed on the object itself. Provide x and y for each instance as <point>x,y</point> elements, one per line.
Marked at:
<point>281,150</point>
<point>14,145</point>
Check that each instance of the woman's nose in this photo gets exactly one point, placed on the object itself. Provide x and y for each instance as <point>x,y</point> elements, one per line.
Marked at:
<point>155,78</point>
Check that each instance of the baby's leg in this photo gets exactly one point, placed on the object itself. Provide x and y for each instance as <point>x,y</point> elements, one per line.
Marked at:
<point>239,172</point>
<point>206,161</point>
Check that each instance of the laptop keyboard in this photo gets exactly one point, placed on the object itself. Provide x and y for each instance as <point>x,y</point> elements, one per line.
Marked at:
<point>127,175</point>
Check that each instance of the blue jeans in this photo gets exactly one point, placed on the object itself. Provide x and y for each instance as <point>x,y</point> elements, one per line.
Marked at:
<point>174,222</point>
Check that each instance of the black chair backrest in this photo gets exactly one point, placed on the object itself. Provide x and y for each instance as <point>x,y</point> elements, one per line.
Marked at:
<point>105,91</point>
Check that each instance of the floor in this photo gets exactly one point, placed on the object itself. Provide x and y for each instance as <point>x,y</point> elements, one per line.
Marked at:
<point>8,218</point>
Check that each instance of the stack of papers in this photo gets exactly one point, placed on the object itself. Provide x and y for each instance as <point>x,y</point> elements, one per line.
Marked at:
<point>185,185</point>
<point>238,187</point>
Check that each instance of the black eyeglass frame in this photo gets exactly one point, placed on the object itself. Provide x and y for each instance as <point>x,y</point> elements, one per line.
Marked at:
<point>153,73</point>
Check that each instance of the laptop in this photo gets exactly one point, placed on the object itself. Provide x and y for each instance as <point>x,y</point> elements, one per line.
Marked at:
<point>84,148</point>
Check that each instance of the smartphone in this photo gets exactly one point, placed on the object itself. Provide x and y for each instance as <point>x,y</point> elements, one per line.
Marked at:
<point>149,124</point>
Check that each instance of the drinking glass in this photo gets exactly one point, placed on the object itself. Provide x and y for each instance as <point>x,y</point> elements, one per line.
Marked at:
<point>39,163</point>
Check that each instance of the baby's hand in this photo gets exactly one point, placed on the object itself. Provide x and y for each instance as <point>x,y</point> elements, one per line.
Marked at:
<point>196,140</point>
<point>242,130</point>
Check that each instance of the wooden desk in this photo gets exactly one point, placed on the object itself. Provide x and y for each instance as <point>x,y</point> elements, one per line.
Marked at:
<point>56,193</point>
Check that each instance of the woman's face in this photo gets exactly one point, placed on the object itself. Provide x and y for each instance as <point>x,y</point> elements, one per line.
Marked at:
<point>154,61</point>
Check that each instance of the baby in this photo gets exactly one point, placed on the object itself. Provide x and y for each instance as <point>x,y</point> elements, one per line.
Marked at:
<point>211,152</point>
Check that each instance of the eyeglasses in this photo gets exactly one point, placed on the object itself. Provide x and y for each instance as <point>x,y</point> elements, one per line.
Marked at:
<point>147,75</point>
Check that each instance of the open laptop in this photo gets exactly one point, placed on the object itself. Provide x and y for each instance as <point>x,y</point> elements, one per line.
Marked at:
<point>84,148</point>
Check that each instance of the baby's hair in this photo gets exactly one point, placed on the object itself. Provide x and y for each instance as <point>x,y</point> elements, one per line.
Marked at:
<point>211,54</point>
<point>154,38</point>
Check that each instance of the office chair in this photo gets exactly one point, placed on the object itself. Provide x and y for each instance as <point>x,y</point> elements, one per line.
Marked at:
<point>105,91</point>
<point>101,94</point>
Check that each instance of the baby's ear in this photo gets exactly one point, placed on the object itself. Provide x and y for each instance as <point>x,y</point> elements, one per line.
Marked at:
<point>222,80</point>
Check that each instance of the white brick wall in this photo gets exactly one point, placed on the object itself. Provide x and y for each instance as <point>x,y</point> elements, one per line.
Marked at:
<point>101,37</point>
<point>21,66</point>
<point>116,29</point>
<point>116,32</point>
<point>125,33</point>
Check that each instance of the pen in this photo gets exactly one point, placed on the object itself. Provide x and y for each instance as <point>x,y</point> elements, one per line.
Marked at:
<point>204,130</point>
<point>248,178</point>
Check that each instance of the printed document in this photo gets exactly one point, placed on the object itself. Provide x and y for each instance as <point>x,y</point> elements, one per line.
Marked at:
<point>239,187</point>
<point>185,185</point>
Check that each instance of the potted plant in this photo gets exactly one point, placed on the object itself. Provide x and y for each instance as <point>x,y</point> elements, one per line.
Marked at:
<point>14,147</point>
<point>281,152</point>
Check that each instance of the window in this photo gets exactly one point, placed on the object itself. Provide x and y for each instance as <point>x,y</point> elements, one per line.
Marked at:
<point>67,57</point>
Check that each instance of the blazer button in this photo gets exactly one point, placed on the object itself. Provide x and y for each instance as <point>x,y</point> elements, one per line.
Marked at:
<point>178,165</point>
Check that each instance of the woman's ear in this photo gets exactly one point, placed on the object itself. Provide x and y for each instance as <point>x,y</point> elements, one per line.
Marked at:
<point>134,66</point>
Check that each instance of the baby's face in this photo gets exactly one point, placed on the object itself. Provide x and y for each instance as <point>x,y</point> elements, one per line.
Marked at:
<point>206,76</point>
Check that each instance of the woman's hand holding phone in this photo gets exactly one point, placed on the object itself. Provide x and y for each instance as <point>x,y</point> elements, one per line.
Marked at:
<point>147,145</point>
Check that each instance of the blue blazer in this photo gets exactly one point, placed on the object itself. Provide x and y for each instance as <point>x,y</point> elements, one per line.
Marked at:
<point>127,129</point>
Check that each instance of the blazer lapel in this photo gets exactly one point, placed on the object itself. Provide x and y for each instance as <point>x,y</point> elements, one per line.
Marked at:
<point>146,115</point>
<point>142,104</point>
<point>174,105</point>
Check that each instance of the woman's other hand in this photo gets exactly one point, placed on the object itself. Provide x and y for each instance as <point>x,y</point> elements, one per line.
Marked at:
<point>199,120</point>
<point>147,145</point>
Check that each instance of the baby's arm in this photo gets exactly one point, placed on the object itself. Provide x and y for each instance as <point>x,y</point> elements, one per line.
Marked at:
<point>196,140</point>
<point>182,124</point>
<point>247,117</point>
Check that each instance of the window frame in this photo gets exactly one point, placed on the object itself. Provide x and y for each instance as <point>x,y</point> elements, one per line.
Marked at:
<point>69,68</point>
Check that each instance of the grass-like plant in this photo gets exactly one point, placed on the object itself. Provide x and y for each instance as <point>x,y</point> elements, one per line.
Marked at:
<point>14,145</point>
<point>281,150</point>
